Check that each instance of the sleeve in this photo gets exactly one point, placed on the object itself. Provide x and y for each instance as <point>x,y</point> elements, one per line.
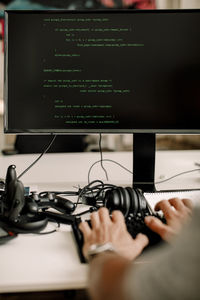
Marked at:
<point>172,272</point>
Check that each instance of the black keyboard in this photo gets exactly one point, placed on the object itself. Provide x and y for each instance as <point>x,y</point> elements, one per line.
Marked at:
<point>134,223</point>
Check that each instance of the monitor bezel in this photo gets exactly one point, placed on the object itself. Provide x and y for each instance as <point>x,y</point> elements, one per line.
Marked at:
<point>8,130</point>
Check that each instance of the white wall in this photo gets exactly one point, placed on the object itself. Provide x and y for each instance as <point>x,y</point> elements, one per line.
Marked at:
<point>190,3</point>
<point>178,4</point>
<point>166,4</point>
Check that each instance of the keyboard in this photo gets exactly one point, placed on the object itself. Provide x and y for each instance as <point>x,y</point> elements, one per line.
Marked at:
<point>134,223</point>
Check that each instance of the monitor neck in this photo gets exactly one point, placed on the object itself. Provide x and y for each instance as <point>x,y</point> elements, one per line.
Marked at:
<point>144,148</point>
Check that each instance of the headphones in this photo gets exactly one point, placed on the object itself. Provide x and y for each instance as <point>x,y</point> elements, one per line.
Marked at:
<point>14,212</point>
<point>125,199</point>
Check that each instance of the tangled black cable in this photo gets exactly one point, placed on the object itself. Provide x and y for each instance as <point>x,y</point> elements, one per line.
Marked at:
<point>95,190</point>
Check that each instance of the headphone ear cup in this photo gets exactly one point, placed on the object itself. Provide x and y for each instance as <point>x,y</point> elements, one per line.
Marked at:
<point>141,200</point>
<point>117,199</point>
<point>134,202</point>
<point>112,199</point>
<point>125,201</point>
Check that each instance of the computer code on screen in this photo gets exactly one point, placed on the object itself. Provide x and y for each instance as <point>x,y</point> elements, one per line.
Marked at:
<point>102,70</point>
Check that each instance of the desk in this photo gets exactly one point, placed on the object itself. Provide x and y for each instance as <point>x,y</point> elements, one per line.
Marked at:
<point>50,262</point>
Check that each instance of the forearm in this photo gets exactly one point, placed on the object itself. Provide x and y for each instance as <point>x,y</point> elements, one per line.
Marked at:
<point>106,277</point>
<point>108,267</point>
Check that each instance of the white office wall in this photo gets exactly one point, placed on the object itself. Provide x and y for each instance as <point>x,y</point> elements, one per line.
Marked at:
<point>164,4</point>
<point>190,3</point>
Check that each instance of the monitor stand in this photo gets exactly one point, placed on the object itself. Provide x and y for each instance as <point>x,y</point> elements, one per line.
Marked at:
<point>144,149</point>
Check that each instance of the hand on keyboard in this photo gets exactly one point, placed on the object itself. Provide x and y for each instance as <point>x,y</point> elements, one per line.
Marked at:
<point>176,212</point>
<point>104,230</point>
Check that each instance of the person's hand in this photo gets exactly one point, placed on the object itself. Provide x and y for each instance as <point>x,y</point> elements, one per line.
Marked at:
<point>176,212</point>
<point>104,230</point>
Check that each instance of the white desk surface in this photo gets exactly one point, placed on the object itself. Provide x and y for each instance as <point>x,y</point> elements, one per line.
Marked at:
<point>50,262</point>
<point>67,168</point>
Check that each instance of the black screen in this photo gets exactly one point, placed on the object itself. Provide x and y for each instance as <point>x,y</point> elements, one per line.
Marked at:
<point>102,71</point>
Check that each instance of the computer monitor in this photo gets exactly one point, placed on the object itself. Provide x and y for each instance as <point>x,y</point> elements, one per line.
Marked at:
<point>111,71</point>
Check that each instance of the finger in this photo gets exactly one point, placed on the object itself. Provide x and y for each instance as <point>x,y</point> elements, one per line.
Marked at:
<point>165,206</point>
<point>188,203</point>
<point>95,222</point>
<point>157,226</point>
<point>104,215</point>
<point>177,204</point>
<point>118,217</point>
<point>142,241</point>
<point>85,229</point>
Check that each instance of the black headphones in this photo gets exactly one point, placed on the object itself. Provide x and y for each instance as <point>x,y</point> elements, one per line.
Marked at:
<point>14,212</point>
<point>125,199</point>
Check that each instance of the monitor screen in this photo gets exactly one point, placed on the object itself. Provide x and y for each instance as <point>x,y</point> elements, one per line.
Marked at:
<point>102,71</point>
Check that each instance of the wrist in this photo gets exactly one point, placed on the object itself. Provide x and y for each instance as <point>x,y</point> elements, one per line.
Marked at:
<point>97,249</point>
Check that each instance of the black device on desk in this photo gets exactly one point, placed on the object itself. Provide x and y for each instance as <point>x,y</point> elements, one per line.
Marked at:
<point>133,205</point>
<point>21,212</point>
<point>112,71</point>
<point>15,213</point>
